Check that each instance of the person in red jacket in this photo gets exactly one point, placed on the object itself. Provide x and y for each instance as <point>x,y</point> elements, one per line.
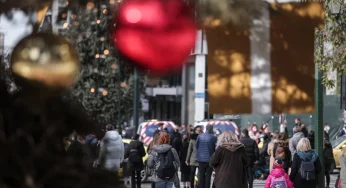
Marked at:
<point>278,177</point>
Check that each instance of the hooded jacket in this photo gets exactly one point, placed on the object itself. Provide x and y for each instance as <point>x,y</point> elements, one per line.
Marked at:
<point>298,158</point>
<point>111,151</point>
<point>229,164</point>
<point>152,160</point>
<point>294,142</point>
<point>276,173</point>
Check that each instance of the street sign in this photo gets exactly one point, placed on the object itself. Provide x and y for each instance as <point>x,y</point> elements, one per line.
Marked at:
<point>199,95</point>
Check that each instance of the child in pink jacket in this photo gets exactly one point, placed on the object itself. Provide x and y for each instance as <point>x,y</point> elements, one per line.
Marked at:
<point>278,178</point>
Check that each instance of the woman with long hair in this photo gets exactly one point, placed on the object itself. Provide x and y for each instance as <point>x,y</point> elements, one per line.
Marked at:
<point>281,144</point>
<point>184,169</point>
<point>164,152</point>
<point>305,155</point>
<point>254,133</point>
<point>274,136</point>
<point>154,142</point>
<point>229,161</point>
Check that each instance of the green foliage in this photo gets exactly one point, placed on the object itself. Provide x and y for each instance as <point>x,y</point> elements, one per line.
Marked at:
<point>103,72</point>
<point>331,40</point>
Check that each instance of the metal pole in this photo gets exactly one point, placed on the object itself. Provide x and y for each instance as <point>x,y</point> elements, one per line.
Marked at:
<point>118,103</point>
<point>318,123</point>
<point>136,99</point>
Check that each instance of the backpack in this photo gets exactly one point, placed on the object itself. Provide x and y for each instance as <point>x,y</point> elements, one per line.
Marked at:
<point>165,168</point>
<point>307,170</point>
<point>280,153</point>
<point>134,156</point>
<point>279,182</point>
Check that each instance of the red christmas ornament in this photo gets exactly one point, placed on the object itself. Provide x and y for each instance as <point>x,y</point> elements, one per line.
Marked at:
<point>156,34</point>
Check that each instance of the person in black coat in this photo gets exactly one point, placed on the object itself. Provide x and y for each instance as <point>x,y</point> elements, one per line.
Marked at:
<point>184,169</point>
<point>176,140</point>
<point>252,152</point>
<point>306,154</point>
<point>134,153</point>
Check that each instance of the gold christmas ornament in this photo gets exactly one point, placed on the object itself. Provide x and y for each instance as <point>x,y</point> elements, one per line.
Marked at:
<point>45,60</point>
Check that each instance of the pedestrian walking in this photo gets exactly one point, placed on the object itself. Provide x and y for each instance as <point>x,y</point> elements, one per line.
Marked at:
<point>297,135</point>
<point>273,140</point>
<point>252,152</point>
<point>230,161</point>
<point>328,160</point>
<point>184,168</point>
<point>282,151</point>
<point>191,158</point>
<point>278,177</point>
<point>134,153</point>
<point>205,145</point>
<point>343,168</point>
<point>111,150</point>
<point>311,137</point>
<point>165,161</point>
<point>305,130</point>
<point>305,166</point>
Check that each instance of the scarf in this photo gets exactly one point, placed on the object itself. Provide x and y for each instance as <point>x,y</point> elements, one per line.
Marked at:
<point>310,155</point>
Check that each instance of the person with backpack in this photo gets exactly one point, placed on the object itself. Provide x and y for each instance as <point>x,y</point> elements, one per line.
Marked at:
<point>278,178</point>
<point>134,153</point>
<point>305,166</point>
<point>165,161</point>
<point>281,150</point>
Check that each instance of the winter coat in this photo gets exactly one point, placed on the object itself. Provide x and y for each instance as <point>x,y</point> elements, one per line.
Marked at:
<point>183,153</point>
<point>111,151</point>
<point>284,144</point>
<point>270,152</point>
<point>328,156</point>
<point>251,149</point>
<point>294,142</point>
<point>254,136</point>
<point>343,170</point>
<point>152,160</point>
<point>176,142</point>
<point>230,168</point>
<point>295,176</point>
<point>277,173</point>
<point>205,145</point>
<point>342,132</point>
<point>192,151</point>
<point>138,145</point>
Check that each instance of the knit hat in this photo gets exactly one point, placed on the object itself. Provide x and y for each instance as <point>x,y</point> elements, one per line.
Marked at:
<point>278,163</point>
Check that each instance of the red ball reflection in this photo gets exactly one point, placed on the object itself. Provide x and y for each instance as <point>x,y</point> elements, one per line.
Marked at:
<point>155,34</point>
<point>133,15</point>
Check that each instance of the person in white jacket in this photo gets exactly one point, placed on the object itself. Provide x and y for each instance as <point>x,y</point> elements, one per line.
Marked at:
<point>111,150</point>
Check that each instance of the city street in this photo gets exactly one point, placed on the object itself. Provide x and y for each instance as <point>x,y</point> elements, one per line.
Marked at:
<point>258,183</point>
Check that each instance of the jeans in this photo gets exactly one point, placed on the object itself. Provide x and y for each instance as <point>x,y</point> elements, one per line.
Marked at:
<point>204,177</point>
<point>134,175</point>
<point>192,176</point>
<point>250,176</point>
<point>163,184</point>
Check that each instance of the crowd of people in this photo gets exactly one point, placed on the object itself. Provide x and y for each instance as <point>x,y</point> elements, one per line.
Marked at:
<point>235,160</point>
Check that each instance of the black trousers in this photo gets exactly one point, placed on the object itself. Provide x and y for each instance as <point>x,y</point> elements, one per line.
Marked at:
<point>326,173</point>
<point>204,177</point>
<point>250,176</point>
<point>136,179</point>
<point>192,176</point>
